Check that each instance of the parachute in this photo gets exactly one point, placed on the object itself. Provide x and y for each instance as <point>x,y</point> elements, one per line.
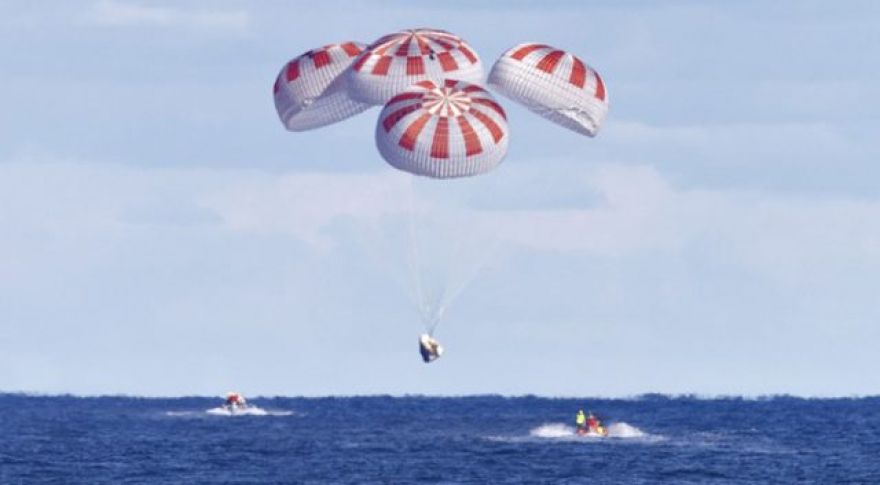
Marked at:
<point>554,84</point>
<point>452,129</point>
<point>396,61</point>
<point>310,91</point>
<point>438,122</point>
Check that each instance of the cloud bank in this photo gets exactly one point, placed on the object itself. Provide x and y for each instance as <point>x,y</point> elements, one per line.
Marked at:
<point>199,251</point>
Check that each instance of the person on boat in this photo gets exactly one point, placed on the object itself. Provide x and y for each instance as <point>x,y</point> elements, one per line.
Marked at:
<point>595,426</point>
<point>581,420</point>
<point>430,348</point>
<point>592,422</point>
<point>235,400</point>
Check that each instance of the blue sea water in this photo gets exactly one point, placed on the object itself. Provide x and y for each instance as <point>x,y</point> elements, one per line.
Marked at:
<point>483,439</point>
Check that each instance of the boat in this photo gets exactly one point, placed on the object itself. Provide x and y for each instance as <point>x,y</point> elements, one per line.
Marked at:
<point>597,432</point>
<point>591,426</point>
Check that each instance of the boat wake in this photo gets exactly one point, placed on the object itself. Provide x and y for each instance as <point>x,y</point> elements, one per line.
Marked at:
<point>224,411</point>
<point>619,430</point>
<point>553,430</point>
<point>248,411</point>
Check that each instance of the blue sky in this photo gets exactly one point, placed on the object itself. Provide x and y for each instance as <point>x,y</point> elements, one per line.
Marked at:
<point>163,235</point>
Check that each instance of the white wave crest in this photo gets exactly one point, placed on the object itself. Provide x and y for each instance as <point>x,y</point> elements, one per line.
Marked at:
<point>624,430</point>
<point>182,413</point>
<point>223,411</point>
<point>553,430</point>
<point>248,411</point>
<point>560,431</point>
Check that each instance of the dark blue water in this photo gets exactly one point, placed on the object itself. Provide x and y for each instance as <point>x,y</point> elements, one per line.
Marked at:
<point>438,440</point>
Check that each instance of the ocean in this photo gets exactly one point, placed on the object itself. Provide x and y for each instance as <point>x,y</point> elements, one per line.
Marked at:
<point>480,439</point>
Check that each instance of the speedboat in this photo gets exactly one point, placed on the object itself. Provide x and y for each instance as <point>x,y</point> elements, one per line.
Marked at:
<point>597,431</point>
<point>235,408</point>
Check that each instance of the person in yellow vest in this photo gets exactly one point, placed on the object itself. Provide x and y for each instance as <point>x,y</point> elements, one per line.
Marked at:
<point>581,420</point>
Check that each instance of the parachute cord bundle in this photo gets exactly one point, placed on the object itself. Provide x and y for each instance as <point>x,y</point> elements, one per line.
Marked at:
<point>415,266</point>
<point>430,301</point>
<point>439,273</point>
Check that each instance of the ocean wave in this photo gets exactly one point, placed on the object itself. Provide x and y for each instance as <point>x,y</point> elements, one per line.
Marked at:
<point>563,432</point>
<point>223,411</point>
<point>620,430</point>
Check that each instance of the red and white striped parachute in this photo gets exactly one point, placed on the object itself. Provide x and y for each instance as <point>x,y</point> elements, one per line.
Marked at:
<point>310,91</point>
<point>397,61</point>
<point>443,130</point>
<point>554,84</point>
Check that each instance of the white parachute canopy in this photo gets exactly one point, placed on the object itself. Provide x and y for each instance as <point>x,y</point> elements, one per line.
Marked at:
<point>554,84</point>
<point>443,130</point>
<point>396,61</point>
<point>310,91</point>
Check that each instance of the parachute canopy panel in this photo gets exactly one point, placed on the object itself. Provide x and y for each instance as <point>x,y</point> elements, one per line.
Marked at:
<point>554,84</point>
<point>396,61</point>
<point>310,90</point>
<point>443,130</point>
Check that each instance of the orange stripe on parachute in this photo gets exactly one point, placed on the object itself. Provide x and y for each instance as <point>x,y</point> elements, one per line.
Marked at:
<point>409,137</point>
<point>396,116</point>
<point>292,71</point>
<point>414,66</point>
<point>467,53</point>
<point>440,145</point>
<point>497,132</point>
<point>447,62</point>
<point>578,73</point>
<point>381,67</point>
<point>522,52</point>
<point>351,49</point>
<point>471,140</point>
<point>321,59</point>
<point>600,87</point>
<point>491,104</point>
<point>403,97</point>
<point>549,62</point>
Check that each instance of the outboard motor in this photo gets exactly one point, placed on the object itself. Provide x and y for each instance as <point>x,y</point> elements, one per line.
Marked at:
<point>430,348</point>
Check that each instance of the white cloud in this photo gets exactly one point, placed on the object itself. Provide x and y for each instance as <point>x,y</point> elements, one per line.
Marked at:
<point>638,210</point>
<point>785,238</point>
<point>120,14</point>
<point>635,210</point>
<point>630,216</point>
<point>303,205</point>
<point>650,263</point>
<point>724,139</point>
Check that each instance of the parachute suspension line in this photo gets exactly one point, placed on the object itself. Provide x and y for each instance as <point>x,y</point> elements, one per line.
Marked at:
<point>446,297</point>
<point>414,263</point>
<point>450,294</point>
<point>434,292</point>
